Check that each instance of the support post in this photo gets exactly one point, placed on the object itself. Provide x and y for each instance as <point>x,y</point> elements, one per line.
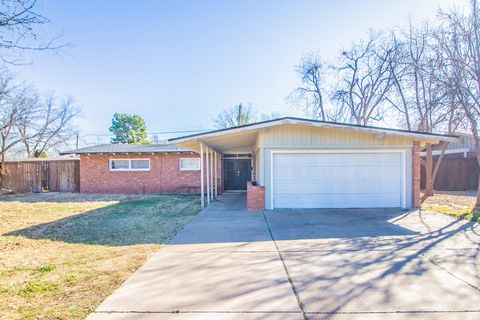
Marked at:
<point>212,174</point>
<point>216,178</point>
<point>416,175</point>
<point>208,175</point>
<point>202,193</point>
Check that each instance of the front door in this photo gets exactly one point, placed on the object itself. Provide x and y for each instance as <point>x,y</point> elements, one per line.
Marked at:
<point>237,173</point>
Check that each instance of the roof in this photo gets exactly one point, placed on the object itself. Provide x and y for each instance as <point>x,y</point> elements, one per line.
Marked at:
<point>126,148</point>
<point>318,123</point>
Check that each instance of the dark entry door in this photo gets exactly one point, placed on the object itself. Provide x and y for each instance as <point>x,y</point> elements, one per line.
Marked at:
<point>237,173</point>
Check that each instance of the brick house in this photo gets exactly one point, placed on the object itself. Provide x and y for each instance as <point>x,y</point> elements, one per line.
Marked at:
<point>282,163</point>
<point>139,169</point>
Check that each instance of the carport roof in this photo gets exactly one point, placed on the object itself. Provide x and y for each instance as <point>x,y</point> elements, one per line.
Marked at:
<point>316,123</point>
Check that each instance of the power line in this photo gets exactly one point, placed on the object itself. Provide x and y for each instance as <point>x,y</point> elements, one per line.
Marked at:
<point>149,133</point>
<point>206,106</point>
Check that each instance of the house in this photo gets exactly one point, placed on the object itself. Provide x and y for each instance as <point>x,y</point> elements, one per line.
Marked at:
<point>282,163</point>
<point>459,169</point>
<point>302,163</point>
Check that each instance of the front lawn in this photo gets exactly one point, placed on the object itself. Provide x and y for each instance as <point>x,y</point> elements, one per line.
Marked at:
<point>62,254</point>
<point>456,204</point>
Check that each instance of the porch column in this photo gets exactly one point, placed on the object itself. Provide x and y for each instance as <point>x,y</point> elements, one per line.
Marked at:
<point>208,175</point>
<point>216,178</point>
<point>202,193</point>
<point>416,174</point>
<point>212,167</point>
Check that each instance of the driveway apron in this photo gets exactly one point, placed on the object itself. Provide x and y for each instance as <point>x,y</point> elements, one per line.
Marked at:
<point>223,265</point>
<point>230,263</point>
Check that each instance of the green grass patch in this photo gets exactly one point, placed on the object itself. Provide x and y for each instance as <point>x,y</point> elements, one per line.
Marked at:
<point>468,213</point>
<point>38,285</point>
<point>47,267</point>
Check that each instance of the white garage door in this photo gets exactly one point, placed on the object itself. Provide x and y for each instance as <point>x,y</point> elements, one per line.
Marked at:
<point>337,180</point>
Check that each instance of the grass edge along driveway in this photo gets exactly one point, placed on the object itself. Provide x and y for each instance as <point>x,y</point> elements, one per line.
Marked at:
<point>456,204</point>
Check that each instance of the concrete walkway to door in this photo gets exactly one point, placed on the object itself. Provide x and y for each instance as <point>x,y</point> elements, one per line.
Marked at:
<point>230,263</point>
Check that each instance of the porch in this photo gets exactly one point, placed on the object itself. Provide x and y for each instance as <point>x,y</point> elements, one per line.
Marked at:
<point>228,163</point>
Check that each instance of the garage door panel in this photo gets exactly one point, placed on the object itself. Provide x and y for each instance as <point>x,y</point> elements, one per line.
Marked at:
<point>335,201</point>
<point>361,186</point>
<point>343,180</point>
<point>333,160</point>
<point>326,173</point>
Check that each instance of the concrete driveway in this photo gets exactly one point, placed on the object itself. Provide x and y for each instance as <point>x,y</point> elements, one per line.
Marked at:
<point>229,263</point>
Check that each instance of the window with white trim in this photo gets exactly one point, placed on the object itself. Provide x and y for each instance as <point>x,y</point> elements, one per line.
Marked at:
<point>189,164</point>
<point>129,164</point>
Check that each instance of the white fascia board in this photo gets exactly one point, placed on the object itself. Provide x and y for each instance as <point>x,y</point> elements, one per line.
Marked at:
<point>448,151</point>
<point>316,124</point>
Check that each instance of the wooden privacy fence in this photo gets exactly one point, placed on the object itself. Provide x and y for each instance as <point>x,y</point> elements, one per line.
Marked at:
<point>455,174</point>
<point>44,175</point>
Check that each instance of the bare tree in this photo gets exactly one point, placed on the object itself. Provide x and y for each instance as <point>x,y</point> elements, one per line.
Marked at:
<point>419,93</point>
<point>31,125</point>
<point>20,23</point>
<point>269,116</point>
<point>239,115</point>
<point>12,112</point>
<point>49,124</point>
<point>365,80</point>
<point>398,96</point>
<point>429,108</point>
<point>311,91</point>
<point>461,46</point>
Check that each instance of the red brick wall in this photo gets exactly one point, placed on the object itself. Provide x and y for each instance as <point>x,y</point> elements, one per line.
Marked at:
<point>164,175</point>
<point>255,197</point>
<point>416,174</point>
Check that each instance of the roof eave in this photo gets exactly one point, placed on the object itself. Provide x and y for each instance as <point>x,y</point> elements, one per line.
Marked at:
<point>122,152</point>
<point>267,124</point>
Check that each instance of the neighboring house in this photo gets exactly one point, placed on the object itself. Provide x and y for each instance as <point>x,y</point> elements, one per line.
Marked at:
<point>459,169</point>
<point>295,163</point>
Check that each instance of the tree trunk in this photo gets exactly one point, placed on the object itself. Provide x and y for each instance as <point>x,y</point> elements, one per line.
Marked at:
<point>477,203</point>
<point>429,171</point>
<point>438,164</point>
<point>2,169</point>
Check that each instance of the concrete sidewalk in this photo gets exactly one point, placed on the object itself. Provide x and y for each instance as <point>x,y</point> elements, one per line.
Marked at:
<point>323,264</point>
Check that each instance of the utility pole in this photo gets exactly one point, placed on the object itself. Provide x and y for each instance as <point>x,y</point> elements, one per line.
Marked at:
<point>76,144</point>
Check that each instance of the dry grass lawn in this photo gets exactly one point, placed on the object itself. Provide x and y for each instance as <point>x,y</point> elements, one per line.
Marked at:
<point>62,254</point>
<point>456,204</point>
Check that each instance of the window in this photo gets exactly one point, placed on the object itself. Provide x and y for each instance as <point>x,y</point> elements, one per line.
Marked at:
<point>119,164</point>
<point>189,164</point>
<point>140,164</point>
<point>129,164</point>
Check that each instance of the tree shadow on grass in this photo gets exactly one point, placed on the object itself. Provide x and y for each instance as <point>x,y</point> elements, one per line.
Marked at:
<point>146,221</point>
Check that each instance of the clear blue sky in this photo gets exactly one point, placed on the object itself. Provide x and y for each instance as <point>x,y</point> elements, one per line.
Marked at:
<point>179,63</point>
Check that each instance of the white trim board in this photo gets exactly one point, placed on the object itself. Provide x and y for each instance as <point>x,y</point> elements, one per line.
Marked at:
<point>336,151</point>
<point>313,123</point>
<point>448,151</point>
